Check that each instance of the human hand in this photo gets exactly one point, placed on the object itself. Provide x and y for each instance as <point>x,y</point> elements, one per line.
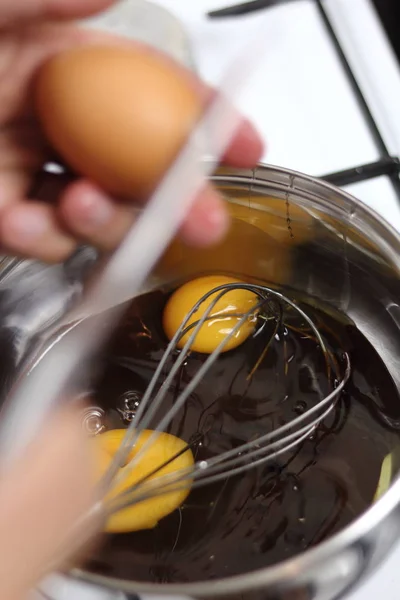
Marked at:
<point>33,31</point>
<point>41,499</point>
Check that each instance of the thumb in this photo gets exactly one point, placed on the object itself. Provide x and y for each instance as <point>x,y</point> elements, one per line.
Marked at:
<point>40,503</point>
<point>24,10</point>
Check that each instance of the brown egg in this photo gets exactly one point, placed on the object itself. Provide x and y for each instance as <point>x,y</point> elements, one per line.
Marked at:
<point>115,115</point>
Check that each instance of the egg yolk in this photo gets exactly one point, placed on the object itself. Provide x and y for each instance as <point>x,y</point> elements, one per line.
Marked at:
<point>225,315</point>
<point>145,514</point>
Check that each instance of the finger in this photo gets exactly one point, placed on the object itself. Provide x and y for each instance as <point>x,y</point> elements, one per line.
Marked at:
<point>32,229</point>
<point>92,216</point>
<point>96,218</point>
<point>247,148</point>
<point>208,221</point>
<point>49,9</point>
<point>13,184</point>
<point>41,500</point>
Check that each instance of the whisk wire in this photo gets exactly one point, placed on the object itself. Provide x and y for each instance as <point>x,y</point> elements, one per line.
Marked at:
<point>133,431</point>
<point>248,455</point>
<point>217,467</point>
<point>165,421</point>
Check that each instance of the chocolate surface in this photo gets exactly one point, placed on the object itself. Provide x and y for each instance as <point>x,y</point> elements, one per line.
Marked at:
<point>284,507</point>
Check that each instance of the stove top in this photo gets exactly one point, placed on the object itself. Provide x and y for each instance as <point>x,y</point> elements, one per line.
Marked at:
<point>328,102</point>
<point>389,14</point>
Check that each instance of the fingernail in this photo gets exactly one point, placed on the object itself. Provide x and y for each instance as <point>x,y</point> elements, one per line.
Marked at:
<point>207,225</point>
<point>95,209</point>
<point>217,219</point>
<point>250,131</point>
<point>252,137</point>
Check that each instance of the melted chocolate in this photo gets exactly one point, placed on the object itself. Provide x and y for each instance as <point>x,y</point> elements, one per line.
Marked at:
<point>282,508</point>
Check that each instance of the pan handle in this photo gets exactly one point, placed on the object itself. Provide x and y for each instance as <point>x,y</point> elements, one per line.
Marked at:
<point>60,587</point>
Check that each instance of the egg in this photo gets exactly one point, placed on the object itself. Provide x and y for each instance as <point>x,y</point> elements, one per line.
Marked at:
<point>145,514</point>
<point>115,114</point>
<point>224,314</point>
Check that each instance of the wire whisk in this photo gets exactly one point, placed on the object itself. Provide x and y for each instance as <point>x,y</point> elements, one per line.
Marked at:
<point>270,305</point>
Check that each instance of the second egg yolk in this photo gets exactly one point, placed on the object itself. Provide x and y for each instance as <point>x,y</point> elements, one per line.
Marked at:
<point>225,315</point>
<point>147,513</point>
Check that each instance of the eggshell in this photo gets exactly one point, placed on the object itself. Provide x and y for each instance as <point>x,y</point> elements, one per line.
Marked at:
<point>115,114</point>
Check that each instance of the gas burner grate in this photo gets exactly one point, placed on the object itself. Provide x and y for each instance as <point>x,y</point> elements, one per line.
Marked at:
<point>387,165</point>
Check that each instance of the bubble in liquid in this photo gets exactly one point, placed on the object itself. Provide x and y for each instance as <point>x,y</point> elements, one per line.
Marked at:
<point>129,403</point>
<point>300,407</point>
<point>92,420</point>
